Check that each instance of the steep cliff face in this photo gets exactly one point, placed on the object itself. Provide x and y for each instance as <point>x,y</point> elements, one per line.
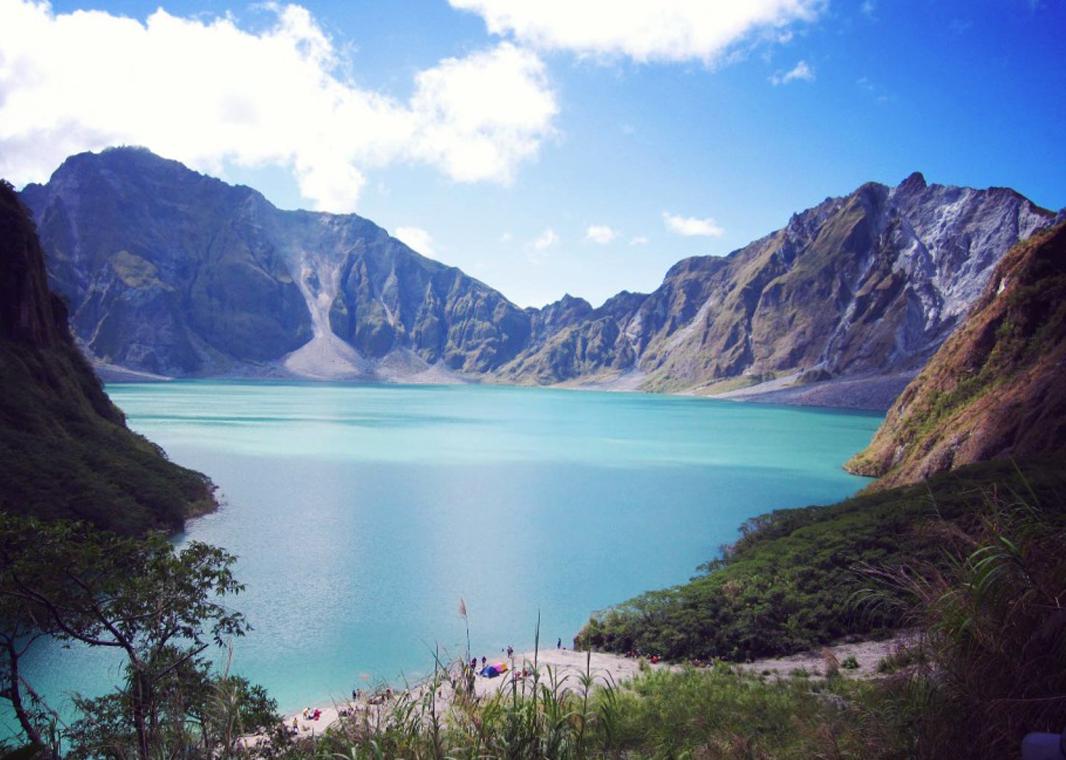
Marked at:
<point>174,273</point>
<point>869,283</point>
<point>997,387</point>
<point>166,271</point>
<point>392,298</point>
<point>64,448</point>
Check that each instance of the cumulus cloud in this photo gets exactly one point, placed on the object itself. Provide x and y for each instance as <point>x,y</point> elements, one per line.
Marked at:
<point>689,226</point>
<point>206,92</point>
<point>600,233</point>
<point>417,239</point>
<point>547,239</point>
<point>639,240</point>
<point>667,30</point>
<point>801,71</point>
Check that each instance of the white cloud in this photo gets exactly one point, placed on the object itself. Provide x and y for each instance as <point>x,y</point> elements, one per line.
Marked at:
<point>479,116</point>
<point>667,30</point>
<point>600,233</point>
<point>692,227</point>
<point>639,240</point>
<point>801,71</point>
<point>547,239</point>
<point>417,239</point>
<point>206,92</point>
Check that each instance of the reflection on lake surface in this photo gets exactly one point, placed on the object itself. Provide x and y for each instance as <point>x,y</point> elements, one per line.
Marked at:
<point>362,514</point>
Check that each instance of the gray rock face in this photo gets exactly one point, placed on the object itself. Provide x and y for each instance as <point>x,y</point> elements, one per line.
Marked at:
<point>871,283</point>
<point>165,270</point>
<point>174,273</point>
<point>171,272</point>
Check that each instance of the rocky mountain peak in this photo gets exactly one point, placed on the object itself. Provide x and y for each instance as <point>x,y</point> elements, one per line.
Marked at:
<point>915,182</point>
<point>177,274</point>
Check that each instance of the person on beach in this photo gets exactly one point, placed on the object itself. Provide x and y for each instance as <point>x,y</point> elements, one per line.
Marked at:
<point>559,643</point>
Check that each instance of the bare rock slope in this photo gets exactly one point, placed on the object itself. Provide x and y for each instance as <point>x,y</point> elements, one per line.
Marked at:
<point>997,387</point>
<point>174,273</point>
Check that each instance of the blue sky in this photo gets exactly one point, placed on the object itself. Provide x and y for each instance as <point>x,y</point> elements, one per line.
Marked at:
<point>578,146</point>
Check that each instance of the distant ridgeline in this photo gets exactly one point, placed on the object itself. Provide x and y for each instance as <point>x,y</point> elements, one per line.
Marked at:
<point>173,273</point>
<point>65,451</point>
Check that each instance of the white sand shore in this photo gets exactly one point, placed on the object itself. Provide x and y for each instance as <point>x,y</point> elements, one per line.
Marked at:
<point>566,668</point>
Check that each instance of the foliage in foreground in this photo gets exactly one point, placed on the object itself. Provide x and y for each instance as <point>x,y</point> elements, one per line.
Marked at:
<point>707,713</point>
<point>160,607</point>
<point>789,583</point>
<point>993,616</point>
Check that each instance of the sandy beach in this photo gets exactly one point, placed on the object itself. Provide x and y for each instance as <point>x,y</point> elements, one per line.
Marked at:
<point>567,667</point>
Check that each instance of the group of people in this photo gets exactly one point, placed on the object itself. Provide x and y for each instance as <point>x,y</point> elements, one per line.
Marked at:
<point>485,662</point>
<point>308,714</point>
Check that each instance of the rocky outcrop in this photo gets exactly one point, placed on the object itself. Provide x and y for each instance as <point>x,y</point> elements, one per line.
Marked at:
<point>166,271</point>
<point>64,448</point>
<point>997,387</point>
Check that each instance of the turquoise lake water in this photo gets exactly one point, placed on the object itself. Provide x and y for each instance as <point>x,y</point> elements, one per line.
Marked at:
<point>362,514</point>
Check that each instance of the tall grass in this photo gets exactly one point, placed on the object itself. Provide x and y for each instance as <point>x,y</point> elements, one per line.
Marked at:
<point>994,622</point>
<point>544,715</point>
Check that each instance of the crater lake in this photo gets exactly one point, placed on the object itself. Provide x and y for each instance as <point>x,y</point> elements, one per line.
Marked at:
<point>362,514</point>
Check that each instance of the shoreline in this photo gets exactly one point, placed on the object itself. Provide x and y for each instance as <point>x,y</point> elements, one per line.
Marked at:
<point>569,666</point>
<point>870,393</point>
<point>566,665</point>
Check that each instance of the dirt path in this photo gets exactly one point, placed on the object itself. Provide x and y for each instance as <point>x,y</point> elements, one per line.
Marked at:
<point>867,654</point>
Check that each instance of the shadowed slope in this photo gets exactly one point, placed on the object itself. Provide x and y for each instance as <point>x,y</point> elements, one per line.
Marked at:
<point>65,451</point>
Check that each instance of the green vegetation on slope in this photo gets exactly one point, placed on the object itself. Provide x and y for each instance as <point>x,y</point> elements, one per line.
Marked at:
<point>61,460</point>
<point>65,451</point>
<point>792,580</point>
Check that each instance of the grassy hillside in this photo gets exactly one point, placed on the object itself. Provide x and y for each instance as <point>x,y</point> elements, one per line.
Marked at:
<point>793,579</point>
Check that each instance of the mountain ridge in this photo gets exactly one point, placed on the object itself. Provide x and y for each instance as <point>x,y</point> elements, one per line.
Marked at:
<point>174,273</point>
